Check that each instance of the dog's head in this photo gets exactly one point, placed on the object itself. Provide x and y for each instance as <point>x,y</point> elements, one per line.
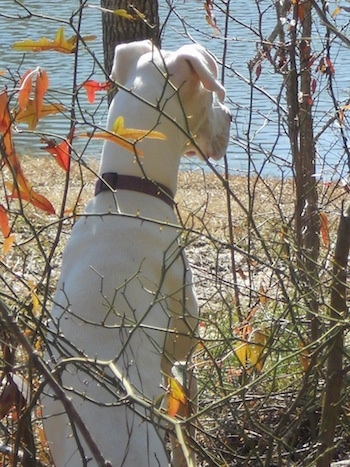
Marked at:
<point>189,78</point>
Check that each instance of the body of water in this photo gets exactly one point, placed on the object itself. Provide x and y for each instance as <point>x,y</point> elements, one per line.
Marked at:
<point>259,140</point>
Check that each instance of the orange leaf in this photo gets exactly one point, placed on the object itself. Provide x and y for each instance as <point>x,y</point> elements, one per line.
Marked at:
<point>8,241</point>
<point>305,356</point>
<point>42,84</point>
<point>176,397</point>
<point>5,230</point>
<point>324,227</point>
<point>27,193</point>
<point>91,87</point>
<point>5,117</point>
<point>113,138</point>
<point>59,44</point>
<point>125,137</point>
<point>61,152</point>
<point>210,18</point>
<point>5,126</point>
<point>262,295</point>
<point>29,115</point>
<point>25,89</point>
<point>4,223</point>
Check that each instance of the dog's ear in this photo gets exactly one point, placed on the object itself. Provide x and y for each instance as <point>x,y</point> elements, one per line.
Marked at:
<point>194,72</point>
<point>193,63</point>
<point>125,56</point>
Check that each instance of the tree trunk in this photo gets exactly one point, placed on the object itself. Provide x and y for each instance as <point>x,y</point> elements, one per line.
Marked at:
<point>307,212</point>
<point>300,123</point>
<point>339,316</point>
<point>117,29</point>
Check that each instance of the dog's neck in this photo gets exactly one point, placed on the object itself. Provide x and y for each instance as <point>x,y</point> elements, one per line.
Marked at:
<point>161,158</point>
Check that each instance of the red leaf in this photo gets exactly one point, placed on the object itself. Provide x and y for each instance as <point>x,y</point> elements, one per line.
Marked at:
<point>326,66</point>
<point>313,86</point>
<point>301,12</point>
<point>14,393</point>
<point>92,86</point>
<point>330,66</point>
<point>61,152</point>
<point>258,71</point>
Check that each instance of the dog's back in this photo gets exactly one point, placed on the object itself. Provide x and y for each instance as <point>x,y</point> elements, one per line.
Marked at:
<point>125,302</point>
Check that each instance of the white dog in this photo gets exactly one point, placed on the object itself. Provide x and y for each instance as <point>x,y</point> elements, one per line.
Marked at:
<point>125,310</point>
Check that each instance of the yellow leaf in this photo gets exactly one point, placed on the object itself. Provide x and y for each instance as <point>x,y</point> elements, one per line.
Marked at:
<point>123,14</point>
<point>59,44</point>
<point>118,125</point>
<point>131,133</point>
<point>125,137</point>
<point>176,397</point>
<point>30,115</point>
<point>256,349</point>
<point>262,295</point>
<point>250,353</point>
<point>336,11</point>
<point>35,299</point>
<point>241,352</point>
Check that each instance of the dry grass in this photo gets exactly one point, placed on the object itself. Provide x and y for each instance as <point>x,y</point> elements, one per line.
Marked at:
<point>251,242</point>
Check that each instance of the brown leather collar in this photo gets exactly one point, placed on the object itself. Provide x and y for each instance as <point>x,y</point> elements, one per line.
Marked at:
<point>114,181</point>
